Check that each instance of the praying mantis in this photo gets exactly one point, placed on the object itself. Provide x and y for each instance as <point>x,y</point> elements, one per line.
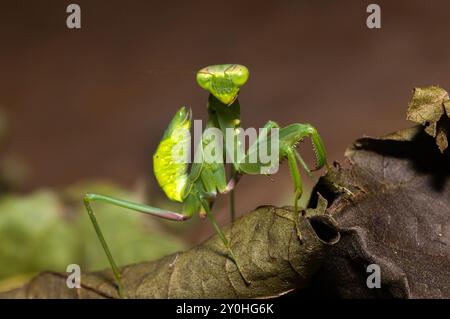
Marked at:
<point>197,186</point>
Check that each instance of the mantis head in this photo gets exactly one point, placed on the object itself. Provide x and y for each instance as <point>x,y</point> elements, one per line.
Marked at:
<point>223,81</point>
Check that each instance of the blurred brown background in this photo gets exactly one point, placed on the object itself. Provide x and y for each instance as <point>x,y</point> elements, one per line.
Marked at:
<point>93,103</point>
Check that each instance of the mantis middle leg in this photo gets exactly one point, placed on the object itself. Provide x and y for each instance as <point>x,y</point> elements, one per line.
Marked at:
<point>224,239</point>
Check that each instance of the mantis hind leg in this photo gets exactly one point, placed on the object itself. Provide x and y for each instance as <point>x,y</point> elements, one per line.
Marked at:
<point>89,198</point>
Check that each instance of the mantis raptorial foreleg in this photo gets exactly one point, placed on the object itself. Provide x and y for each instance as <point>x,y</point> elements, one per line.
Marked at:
<point>288,138</point>
<point>303,164</point>
<point>295,174</point>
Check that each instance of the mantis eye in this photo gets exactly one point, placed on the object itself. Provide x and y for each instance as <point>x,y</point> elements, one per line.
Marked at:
<point>204,80</point>
<point>239,76</point>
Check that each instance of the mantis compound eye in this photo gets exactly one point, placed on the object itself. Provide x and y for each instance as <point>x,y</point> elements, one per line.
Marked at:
<point>239,75</point>
<point>204,80</point>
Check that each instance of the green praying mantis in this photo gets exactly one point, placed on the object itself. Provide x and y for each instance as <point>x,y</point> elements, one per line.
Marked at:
<point>196,186</point>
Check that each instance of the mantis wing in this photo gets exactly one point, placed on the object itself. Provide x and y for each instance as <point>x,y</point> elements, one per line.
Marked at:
<point>170,161</point>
